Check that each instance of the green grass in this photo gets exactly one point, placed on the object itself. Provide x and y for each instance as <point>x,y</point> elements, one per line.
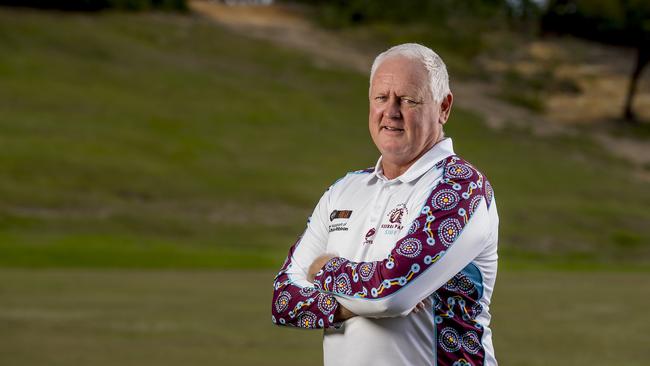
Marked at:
<point>164,141</point>
<point>117,317</point>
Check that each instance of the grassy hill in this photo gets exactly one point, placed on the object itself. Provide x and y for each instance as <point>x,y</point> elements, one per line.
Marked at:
<point>163,141</point>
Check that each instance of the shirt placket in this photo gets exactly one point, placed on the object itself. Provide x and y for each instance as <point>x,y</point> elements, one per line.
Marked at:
<point>381,203</point>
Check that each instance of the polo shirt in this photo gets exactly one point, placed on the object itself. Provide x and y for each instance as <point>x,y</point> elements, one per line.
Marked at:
<point>429,235</point>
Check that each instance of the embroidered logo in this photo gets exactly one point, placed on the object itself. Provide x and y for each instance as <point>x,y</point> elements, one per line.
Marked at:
<point>396,214</point>
<point>395,217</point>
<point>370,236</point>
<point>340,214</point>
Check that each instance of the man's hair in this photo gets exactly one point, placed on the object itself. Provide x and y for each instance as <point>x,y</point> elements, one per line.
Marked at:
<point>435,67</point>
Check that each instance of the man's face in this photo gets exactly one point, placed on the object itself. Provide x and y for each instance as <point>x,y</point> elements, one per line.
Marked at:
<point>404,120</point>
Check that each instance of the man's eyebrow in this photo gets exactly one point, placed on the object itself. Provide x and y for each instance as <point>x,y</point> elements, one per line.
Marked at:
<point>414,97</point>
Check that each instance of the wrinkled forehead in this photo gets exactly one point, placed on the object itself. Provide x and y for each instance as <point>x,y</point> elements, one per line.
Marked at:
<point>401,75</point>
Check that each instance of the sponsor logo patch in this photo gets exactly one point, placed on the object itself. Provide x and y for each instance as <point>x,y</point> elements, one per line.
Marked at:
<point>341,226</point>
<point>340,214</point>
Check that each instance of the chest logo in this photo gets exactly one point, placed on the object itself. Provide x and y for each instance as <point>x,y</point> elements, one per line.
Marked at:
<point>340,214</point>
<point>395,217</point>
<point>370,235</point>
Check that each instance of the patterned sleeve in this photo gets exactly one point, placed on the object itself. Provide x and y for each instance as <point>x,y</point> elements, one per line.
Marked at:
<point>440,242</point>
<point>296,302</point>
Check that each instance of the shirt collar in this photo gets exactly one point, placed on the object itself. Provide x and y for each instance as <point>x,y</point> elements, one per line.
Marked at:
<point>441,150</point>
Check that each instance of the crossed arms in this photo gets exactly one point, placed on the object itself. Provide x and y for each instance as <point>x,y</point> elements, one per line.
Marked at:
<point>450,231</point>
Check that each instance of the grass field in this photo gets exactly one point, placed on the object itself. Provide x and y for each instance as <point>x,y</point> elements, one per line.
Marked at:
<point>143,155</point>
<point>128,317</point>
<point>157,140</point>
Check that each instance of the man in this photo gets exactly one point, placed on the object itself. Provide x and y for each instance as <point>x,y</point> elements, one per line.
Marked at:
<point>417,231</point>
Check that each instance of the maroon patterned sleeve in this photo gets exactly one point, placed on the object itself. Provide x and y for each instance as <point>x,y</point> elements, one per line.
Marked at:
<point>447,210</point>
<point>298,306</point>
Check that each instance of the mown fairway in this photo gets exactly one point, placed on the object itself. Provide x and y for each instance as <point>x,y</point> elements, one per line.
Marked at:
<point>91,317</point>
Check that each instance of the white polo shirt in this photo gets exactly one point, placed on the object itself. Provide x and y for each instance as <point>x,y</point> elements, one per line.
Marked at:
<point>428,235</point>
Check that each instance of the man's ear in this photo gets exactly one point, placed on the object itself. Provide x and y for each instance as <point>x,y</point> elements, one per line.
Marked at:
<point>445,108</point>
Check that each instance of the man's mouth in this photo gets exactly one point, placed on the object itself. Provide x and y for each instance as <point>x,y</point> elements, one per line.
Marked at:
<point>392,129</point>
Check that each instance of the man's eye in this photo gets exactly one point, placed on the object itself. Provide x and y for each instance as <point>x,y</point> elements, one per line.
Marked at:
<point>409,101</point>
<point>380,98</point>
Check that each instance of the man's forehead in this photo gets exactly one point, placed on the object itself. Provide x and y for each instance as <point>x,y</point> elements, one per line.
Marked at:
<point>403,83</point>
<point>402,79</point>
<point>400,72</point>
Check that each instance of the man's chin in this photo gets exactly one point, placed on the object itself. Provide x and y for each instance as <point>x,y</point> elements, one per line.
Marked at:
<point>397,157</point>
<point>393,148</point>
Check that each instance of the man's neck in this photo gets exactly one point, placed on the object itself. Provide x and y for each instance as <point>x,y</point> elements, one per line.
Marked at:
<point>392,171</point>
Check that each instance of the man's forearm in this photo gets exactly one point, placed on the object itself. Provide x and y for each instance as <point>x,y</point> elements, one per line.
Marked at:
<point>304,307</point>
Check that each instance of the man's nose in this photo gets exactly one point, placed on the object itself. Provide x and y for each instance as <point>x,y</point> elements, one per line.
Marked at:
<point>392,110</point>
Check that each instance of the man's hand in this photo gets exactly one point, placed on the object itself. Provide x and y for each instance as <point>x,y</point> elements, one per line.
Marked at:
<point>420,306</point>
<point>317,264</point>
<point>342,314</point>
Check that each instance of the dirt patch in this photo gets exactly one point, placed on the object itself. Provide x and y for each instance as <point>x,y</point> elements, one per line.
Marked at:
<point>602,74</point>
<point>286,25</point>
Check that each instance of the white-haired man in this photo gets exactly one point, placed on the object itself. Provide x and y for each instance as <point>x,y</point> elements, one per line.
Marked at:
<point>417,231</point>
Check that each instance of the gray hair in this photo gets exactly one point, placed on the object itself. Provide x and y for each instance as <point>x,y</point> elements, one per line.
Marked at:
<point>436,69</point>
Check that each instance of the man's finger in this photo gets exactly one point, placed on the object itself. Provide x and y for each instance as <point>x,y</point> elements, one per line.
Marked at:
<point>421,305</point>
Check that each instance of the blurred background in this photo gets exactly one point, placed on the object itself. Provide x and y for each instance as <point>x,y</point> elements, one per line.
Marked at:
<point>159,157</point>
